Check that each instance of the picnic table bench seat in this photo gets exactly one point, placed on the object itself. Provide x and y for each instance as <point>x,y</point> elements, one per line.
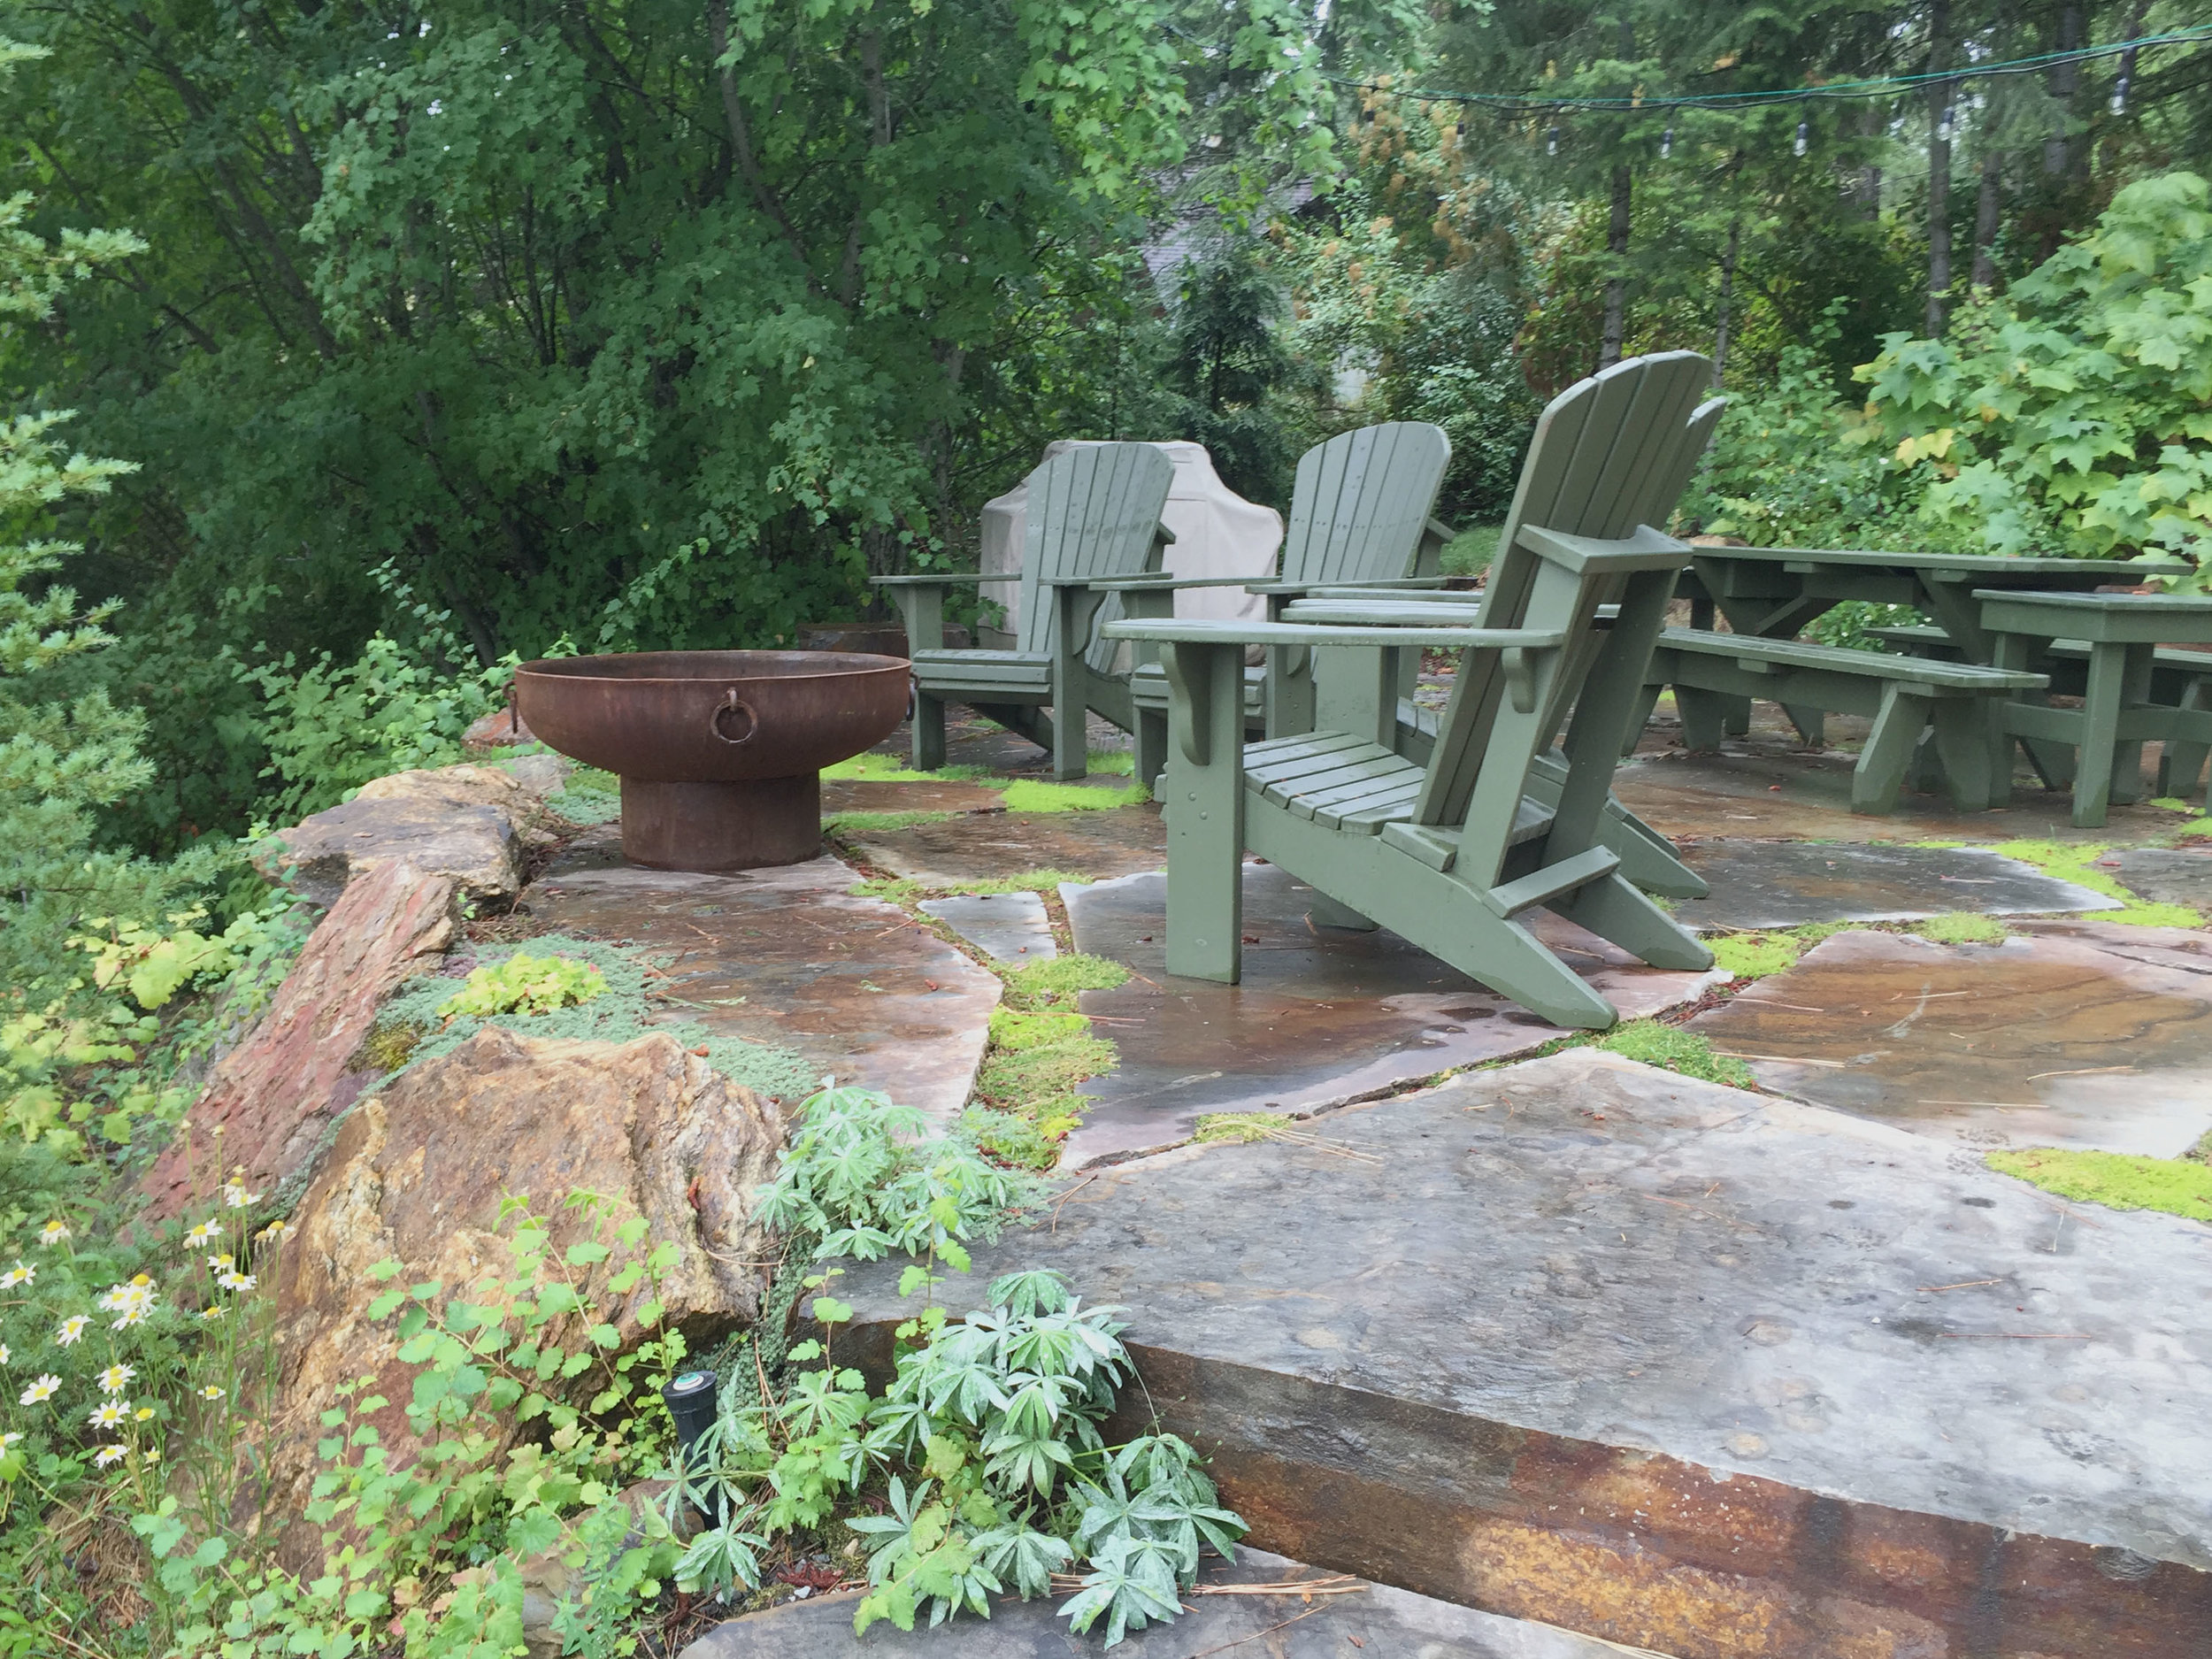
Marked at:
<point>1905,697</point>
<point>2180,679</point>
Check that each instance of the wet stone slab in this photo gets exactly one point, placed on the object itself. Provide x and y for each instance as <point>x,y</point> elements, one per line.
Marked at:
<point>2103,1042</point>
<point>2164,875</point>
<point>892,794</point>
<point>1376,1619</point>
<point>789,957</point>
<point>1783,884</point>
<point>1808,798</point>
<point>1011,927</point>
<point>1101,843</point>
<point>1684,1367</point>
<point>1325,1015</point>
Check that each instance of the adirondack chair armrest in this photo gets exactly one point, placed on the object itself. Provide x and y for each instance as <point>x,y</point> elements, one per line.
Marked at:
<point>1442,636</point>
<point>1436,535</point>
<point>1405,584</point>
<point>1329,611</point>
<point>921,602</point>
<point>1642,548</point>
<point>1163,583</point>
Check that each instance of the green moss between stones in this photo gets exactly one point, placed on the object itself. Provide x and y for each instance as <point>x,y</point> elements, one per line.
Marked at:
<point>1674,1050</point>
<point>1962,927</point>
<point>1064,976</point>
<point>1243,1128</point>
<point>1028,795</point>
<point>408,1030</point>
<point>1012,1028</point>
<point>2077,862</point>
<point>587,796</point>
<point>899,890</point>
<point>1755,955</point>
<point>2180,1186</point>
<point>874,768</point>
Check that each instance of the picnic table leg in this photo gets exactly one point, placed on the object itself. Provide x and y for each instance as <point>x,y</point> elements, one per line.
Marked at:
<point>1205,817</point>
<point>2103,698</point>
<point>2181,762</point>
<point>1811,724</point>
<point>2127,754</point>
<point>1880,772</point>
<point>1735,716</point>
<point>1961,743</point>
<point>2054,762</point>
<point>1704,714</point>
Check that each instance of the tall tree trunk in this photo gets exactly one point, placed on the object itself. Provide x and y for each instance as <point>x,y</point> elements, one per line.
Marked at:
<point>1985,275</point>
<point>2061,148</point>
<point>1871,120</point>
<point>1727,293</point>
<point>1616,284</point>
<point>1939,95</point>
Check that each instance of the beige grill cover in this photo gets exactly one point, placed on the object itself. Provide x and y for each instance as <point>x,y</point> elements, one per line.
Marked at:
<point>1218,533</point>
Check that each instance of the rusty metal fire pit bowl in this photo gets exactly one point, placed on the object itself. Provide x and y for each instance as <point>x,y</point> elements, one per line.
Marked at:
<point>719,752</point>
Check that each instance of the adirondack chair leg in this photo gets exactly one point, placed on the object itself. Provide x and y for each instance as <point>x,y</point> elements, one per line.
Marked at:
<point>1613,908</point>
<point>1151,746</point>
<point>1962,742</point>
<point>1325,912</point>
<point>1704,715</point>
<point>1070,676</point>
<point>1647,700</point>
<point>928,732</point>
<point>2100,707</point>
<point>1204,787</point>
<point>1288,691</point>
<point>1889,749</point>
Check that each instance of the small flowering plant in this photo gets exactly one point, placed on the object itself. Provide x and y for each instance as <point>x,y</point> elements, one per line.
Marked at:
<point>120,1354</point>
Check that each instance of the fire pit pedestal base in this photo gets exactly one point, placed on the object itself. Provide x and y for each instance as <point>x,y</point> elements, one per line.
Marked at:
<point>715,826</point>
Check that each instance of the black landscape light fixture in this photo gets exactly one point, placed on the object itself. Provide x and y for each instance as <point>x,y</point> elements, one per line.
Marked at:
<point>692,1401</point>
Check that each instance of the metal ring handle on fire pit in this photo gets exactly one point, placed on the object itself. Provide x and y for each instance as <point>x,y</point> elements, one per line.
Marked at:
<point>731,703</point>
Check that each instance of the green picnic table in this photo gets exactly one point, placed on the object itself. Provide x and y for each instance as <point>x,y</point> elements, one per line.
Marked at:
<point>2122,632</point>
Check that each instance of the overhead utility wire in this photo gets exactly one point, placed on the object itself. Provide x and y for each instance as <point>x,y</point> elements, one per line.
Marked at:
<point>1522,104</point>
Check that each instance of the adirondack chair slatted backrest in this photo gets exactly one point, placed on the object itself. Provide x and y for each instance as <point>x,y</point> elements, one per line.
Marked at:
<point>1094,511</point>
<point>1610,453</point>
<point>1361,502</point>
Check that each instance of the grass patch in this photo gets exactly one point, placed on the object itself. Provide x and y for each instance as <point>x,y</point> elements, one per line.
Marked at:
<point>1672,1049</point>
<point>1028,795</point>
<point>1756,956</point>
<point>2077,863</point>
<point>873,768</point>
<point>2179,1186</point>
<point>1470,551</point>
<point>1014,1028</point>
<point>880,823</point>
<point>903,890</point>
<point>1243,1128</point>
<point>1962,927</point>
<point>1063,976</point>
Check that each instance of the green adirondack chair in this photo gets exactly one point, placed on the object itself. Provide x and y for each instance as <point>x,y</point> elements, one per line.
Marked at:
<point>1361,511</point>
<point>1093,512</point>
<point>1450,853</point>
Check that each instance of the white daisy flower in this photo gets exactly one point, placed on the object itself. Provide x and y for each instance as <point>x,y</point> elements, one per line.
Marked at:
<point>18,1275</point>
<point>113,1379</point>
<point>215,1312</point>
<point>144,1414</point>
<point>210,1393</point>
<point>219,1263</point>
<point>53,1233</point>
<point>5,1356</point>
<point>235,1280</point>
<point>108,1455</point>
<point>111,1414</point>
<point>201,1233</point>
<point>10,1439</point>
<point>71,1331</point>
<point>237,1197</point>
<point>44,1388</point>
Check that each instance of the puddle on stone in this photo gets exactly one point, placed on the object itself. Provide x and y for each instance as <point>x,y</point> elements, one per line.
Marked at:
<point>1324,1014</point>
<point>1783,884</point>
<point>1102,843</point>
<point>1011,927</point>
<point>2048,1041</point>
<point>789,957</point>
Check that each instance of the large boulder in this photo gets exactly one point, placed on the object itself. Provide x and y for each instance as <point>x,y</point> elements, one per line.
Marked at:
<point>421,1171</point>
<point>471,824</point>
<point>269,1105</point>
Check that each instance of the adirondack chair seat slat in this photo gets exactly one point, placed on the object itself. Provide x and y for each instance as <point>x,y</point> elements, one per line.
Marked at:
<point>1010,670</point>
<point>1147,689</point>
<point>1327,774</point>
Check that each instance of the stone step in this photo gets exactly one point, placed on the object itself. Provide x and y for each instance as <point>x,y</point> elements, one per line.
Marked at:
<point>1371,1619</point>
<point>1699,1370</point>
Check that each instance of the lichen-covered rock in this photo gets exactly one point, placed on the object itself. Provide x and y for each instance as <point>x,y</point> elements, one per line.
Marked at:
<point>419,1174</point>
<point>270,1102</point>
